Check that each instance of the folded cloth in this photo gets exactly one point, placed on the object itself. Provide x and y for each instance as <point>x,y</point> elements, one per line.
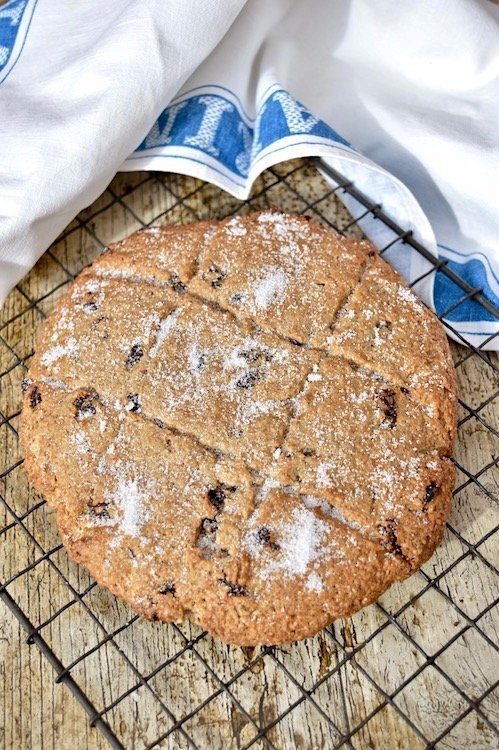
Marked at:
<point>404,101</point>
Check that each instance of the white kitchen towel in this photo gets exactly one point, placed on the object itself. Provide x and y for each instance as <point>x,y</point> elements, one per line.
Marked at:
<point>403,99</point>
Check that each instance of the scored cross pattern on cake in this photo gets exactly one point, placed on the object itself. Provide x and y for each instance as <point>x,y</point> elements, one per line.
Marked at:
<point>254,437</point>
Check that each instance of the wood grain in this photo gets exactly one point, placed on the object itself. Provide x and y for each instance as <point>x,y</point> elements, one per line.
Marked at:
<point>358,672</point>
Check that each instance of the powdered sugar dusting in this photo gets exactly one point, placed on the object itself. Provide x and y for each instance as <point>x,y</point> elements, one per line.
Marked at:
<point>314,583</point>
<point>130,497</point>
<point>235,227</point>
<point>333,512</point>
<point>147,325</point>
<point>196,359</point>
<point>300,544</point>
<point>268,485</point>
<point>53,382</point>
<point>126,274</point>
<point>249,361</point>
<point>378,339</point>
<point>249,410</point>
<point>270,289</point>
<point>92,286</point>
<point>70,349</point>
<point>166,325</point>
<point>315,375</point>
<point>283,225</point>
<point>80,441</point>
<point>323,478</point>
<point>405,294</point>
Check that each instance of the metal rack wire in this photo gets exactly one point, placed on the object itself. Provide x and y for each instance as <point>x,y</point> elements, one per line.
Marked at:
<point>311,687</point>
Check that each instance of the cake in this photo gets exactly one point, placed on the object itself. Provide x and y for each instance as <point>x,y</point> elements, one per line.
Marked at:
<point>247,423</point>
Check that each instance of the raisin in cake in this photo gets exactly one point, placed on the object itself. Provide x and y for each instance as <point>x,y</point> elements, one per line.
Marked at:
<point>247,423</point>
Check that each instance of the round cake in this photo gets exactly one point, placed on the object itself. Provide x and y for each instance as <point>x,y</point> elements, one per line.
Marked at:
<point>247,423</point>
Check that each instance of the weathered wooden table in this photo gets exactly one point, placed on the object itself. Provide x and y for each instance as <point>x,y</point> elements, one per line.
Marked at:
<point>416,670</point>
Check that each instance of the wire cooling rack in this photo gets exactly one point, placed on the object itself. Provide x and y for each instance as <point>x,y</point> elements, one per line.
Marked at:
<point>416,670</point>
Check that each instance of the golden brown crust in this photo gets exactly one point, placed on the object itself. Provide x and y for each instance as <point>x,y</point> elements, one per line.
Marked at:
<point>247,423</point>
